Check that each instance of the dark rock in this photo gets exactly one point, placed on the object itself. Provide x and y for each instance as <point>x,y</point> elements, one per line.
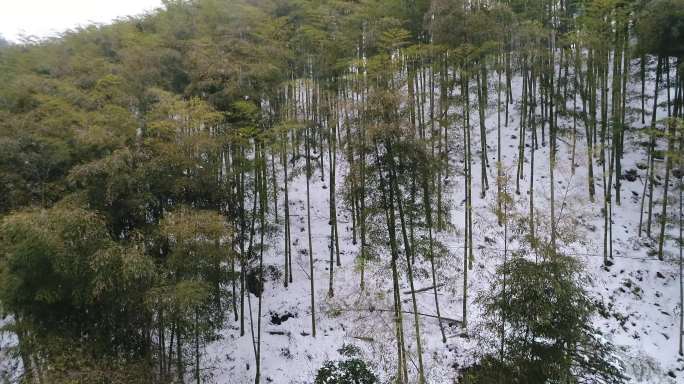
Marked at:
<point>272,273</point>
<point>278,319</point>
<point>630,175</point>
<point>660,275</point>
<point>254,283</point>
<point>678,173</point>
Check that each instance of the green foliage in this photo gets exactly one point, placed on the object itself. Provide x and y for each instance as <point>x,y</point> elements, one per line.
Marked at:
<point>195,239</point>
<point>137,140</point>
<point>61,271</point>
<point>32,170</point>
<point>349,350</point>
<point>547,320</point>
<point>72,362</point>
<point>351,371</point>
<point>660,28</point>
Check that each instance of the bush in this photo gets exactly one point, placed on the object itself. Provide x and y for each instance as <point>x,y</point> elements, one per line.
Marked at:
<point>489,370</point>
<point>660,28</point>
<point>352,371</point>
<point>548,332</point>
<point>349,350</point>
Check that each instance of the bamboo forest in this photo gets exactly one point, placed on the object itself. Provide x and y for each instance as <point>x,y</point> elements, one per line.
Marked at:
<point>346,192</point>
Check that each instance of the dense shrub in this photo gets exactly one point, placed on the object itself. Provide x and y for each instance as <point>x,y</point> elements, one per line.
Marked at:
<point>548,336</point>
<point>660,28</point>
<point>352,371</point>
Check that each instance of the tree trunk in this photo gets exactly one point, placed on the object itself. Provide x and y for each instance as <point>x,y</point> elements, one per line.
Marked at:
<point>651,180</point>
<point>308,223</point>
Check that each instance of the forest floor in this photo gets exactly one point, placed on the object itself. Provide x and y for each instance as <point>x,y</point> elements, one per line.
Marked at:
<point>638,294</point>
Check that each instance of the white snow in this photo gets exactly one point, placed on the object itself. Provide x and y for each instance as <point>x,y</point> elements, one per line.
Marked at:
<point>643,321</point>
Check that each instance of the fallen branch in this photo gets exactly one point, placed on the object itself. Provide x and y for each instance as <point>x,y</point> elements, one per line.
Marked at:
<point>364,338</point>
<point>281,333</point>
<point>410,313</point>
<point>423,289</point>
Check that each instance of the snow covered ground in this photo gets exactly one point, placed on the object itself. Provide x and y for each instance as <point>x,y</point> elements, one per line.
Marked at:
<point>10,368</point>
<point>640,293</point>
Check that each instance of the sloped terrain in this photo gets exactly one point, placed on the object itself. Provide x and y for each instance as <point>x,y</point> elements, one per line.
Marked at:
<point>638,295</point>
